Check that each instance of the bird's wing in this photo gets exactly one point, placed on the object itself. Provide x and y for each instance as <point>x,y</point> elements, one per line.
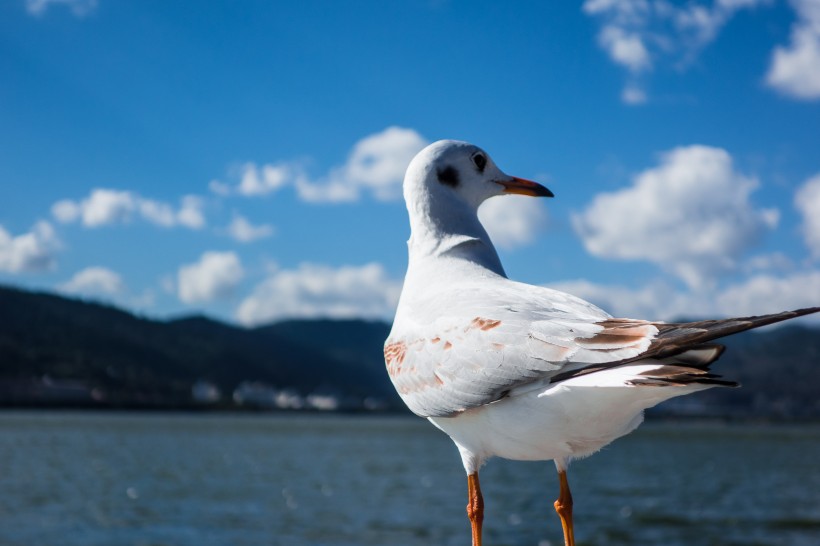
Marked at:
<point>688,342</point>
<point>472,346</point>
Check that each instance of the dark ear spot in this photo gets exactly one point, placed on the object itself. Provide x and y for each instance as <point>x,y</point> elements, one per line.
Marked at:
<point>448,175</point>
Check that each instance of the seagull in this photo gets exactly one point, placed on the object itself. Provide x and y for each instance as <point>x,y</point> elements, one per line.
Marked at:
<point>518,371</point>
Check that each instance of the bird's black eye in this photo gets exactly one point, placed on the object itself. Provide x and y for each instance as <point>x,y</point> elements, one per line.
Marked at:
<point>480,161</point>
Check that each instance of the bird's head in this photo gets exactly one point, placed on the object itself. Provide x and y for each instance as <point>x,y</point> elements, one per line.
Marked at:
<point>455,172</point>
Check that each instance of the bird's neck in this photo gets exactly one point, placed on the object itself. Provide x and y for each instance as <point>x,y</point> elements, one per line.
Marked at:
<point>450,235</point>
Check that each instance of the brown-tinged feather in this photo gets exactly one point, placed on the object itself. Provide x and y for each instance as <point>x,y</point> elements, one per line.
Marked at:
<point>675,340</point>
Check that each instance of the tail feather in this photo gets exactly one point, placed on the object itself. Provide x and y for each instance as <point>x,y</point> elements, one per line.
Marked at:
<point>697,356</point>
<point>685,346</point>
<point>675,338</point>
<point>680,376</point>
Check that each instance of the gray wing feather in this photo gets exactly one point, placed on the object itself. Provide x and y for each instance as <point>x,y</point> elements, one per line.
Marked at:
<point>468,355</point>
<point>688,340</point>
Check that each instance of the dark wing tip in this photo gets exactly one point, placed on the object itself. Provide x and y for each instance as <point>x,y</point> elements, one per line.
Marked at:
<point>675,338</point>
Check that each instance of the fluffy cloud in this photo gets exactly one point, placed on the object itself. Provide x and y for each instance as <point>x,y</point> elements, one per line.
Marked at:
<point>795,69</point>
<point>774,261</point>
<point>512,221</point>
<point>94,282</point>
<point>637,33</point>
<point>314,290</point>
<point>807,201</point>
<point>626,48</point>
<point>263,180</point>
<point>245,232</point>
<point>103,284</point>
<point>190,214</point>
<point>105,206</point>
<point>757,295</point>
<point>654,301</point>
<point>28,252</point>
<point>79,8</point>
<point>765,293</point>
<point>102,206</point>
<point>213,277</point>
<point>691,216</point>
<point>376,166</point>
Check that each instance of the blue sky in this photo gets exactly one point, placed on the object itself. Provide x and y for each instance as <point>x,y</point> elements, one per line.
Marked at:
<point>244,159</point>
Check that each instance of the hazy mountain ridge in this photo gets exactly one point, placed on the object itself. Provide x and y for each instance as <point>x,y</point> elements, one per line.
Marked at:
<point>61,351</point>
<point>128,360</point>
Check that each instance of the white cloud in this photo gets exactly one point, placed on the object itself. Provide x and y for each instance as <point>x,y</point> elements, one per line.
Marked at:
<point>314,290</point>
<point>79,8</point>
<point>513,220</point>
<point>774,261</point>
<point>66,211</point>
<point>637,34</point>
<point>245,232</point>
<point>156,212</point>
<point>332,189</point>
<point>623,11</point>
<point>105,206</point>
<point>376,166</point>
<point>190,213</point>
<point>103,284</point>
<point>757,295</point>
<point>807,201</point>
<point>264,180</point>
<point>653,301</point>
<point>214,276</point>
<point>633,94</point>
<point>770,294</point>
<point>378,162</point>
<point>28,252</point>
<point>219,188</point>
<point>94,282</point>
<point>795,69</point>
<point>691,216</point>
<point>625,48</point>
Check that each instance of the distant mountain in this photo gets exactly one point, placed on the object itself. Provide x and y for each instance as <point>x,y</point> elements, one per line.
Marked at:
<point>60,352</point>
<point>90,353</point>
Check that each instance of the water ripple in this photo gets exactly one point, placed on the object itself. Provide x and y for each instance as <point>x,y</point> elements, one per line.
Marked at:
<point>85,479</point>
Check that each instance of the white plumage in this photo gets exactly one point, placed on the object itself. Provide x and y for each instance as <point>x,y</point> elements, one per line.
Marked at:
<point>513,370</point>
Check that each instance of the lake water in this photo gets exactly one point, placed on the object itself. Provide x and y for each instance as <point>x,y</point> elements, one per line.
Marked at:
<point>169,479</point>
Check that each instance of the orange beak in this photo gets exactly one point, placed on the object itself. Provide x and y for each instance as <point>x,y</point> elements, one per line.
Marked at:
<point>520,186</point>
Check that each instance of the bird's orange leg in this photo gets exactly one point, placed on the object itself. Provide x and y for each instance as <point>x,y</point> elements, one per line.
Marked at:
<point>564,508</point>
<point>475,507</point>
